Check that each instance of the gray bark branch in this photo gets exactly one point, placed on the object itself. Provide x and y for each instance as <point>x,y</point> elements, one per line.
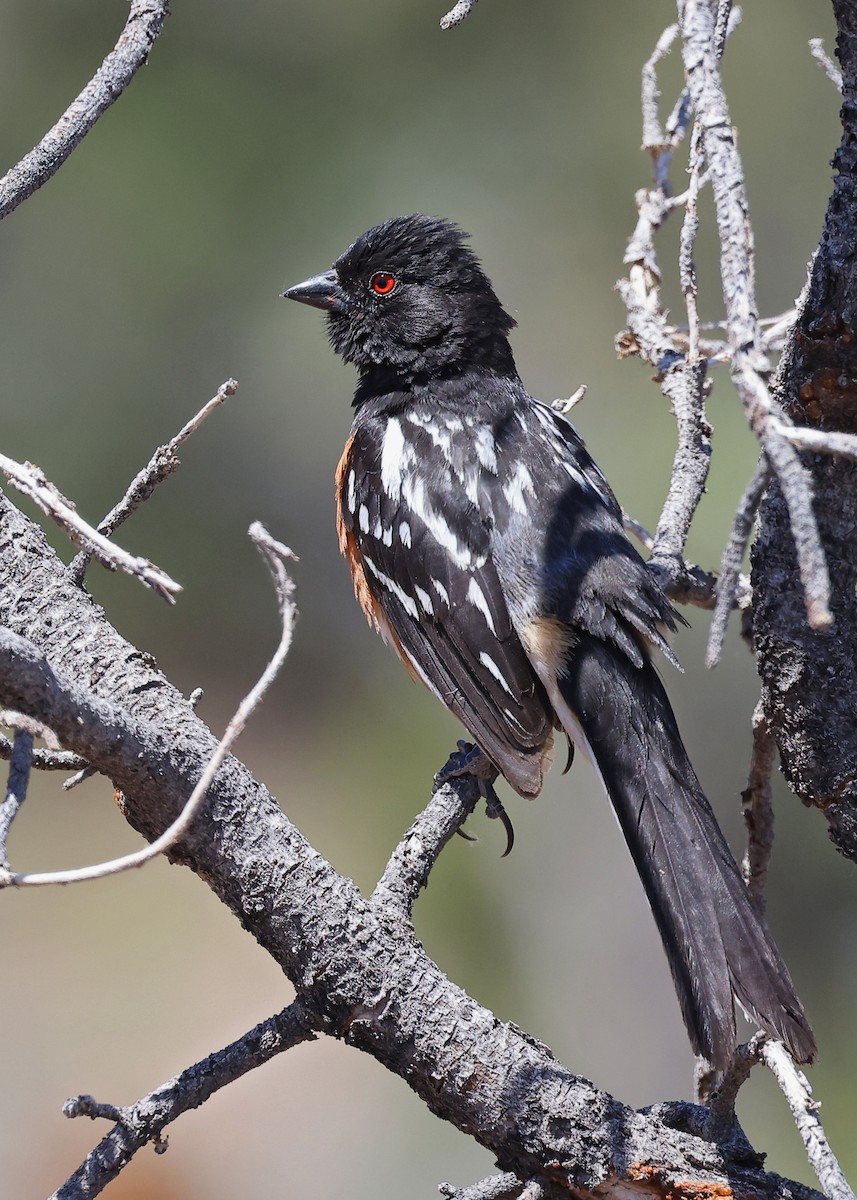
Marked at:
<point>142,1123</point>
<point>360,975</point>
<point>809,679</point>
<point>145,22</point>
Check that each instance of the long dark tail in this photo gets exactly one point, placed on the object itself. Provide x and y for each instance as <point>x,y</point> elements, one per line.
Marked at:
<point>717,945</point>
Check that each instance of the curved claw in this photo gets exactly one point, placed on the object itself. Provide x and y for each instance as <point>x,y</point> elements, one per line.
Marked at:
<point>495,810</point>
<point>570,758</point>
<point>468,837</point>
<point>470,759</point>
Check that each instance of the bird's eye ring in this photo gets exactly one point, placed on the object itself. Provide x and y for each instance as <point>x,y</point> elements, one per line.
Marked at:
<point>382,283</point>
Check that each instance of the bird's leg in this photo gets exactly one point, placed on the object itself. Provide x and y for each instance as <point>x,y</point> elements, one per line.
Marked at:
<point>470,759</point>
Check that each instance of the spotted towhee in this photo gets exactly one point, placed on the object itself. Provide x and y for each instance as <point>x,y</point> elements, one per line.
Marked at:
<point>488,550</point>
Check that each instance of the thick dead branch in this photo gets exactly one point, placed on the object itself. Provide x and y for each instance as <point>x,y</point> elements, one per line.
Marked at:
<point>407,872</point>
<point>370,982</point>
<point>811,719</point>
<point>145,21</point>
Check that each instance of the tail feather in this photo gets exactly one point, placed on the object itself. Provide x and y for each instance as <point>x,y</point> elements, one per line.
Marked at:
<point>719,948</point>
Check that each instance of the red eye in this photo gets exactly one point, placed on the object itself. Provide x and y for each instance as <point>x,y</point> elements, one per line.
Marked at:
<point>382,283</point>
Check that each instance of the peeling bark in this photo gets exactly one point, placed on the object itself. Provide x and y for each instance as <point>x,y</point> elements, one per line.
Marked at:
<point>809,679</point>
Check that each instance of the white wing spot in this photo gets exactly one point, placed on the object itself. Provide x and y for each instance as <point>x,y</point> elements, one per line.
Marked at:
<point>486,449</point>
<point>396,457</point>
<point>415,497</point>
<point>352,491</point>
<point>489,664</point>
<point>471,484</point>
<point>441,591</point>
<point>425,600</point>
<point>521,481</point>
<point>477,597</point>
<point>363,518</point>
<point>405,534</point>
<point>393,588</point>
<point>387,536</point>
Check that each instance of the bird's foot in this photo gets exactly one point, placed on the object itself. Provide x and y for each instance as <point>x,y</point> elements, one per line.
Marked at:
<point>470,759</point>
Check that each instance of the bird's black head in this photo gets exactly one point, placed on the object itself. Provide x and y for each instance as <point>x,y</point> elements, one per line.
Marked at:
<point>409,300</point>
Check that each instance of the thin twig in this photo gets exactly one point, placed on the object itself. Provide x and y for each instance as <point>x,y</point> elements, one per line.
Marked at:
<point>274,553</point>
<point>686,388</point>
<point>687,241</point>
<point>655,140</point>
<point>677,360</point>
<point>495,1187</point>
<point>775,329</point>
<point>161,465</point>
<point>816,47</point>
<point>724,25</point>
<point>410,865</point>
<point>86,772</point>
<point>145,21</point>
<point>819,441</point>
<point>750,367</point>
<point>457,14</point>
<point>632,525</point>
<point>16,786</point>
<point>46,760</point>
<point>31,480</point>
<point>757,804</point>
<point>796,483</point>
<point>144,1122</point>
<point>730,580</point>
<point>798,1093</point>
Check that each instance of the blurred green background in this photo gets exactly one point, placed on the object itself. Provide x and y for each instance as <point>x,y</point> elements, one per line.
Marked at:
<point>256,144</point>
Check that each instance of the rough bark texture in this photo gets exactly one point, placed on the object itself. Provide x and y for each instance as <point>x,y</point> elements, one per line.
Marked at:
<point>356,963</point>
<point>809,679</point>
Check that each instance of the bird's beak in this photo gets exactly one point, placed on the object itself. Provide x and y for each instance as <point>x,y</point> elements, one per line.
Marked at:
<point>322,291</point>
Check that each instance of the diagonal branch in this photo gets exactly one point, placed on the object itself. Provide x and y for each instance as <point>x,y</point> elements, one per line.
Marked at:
<point>145,22</point>
<point>31,480</point>
<point>371,983</point>
<point>161,465</point>
<point>407,872</point>
<point>145,1121</point>
<point>12,649</point>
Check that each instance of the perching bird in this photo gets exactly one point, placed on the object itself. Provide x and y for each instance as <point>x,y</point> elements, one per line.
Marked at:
<point>488,550</point>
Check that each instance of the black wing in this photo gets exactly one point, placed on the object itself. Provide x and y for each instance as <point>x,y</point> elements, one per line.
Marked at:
<point>409,521</point>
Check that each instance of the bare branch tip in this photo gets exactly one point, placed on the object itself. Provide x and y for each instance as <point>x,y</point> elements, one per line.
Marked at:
<point>816,47</point>
<point>260,537</point>
<point>457,14</point>
<point>565,406</point>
